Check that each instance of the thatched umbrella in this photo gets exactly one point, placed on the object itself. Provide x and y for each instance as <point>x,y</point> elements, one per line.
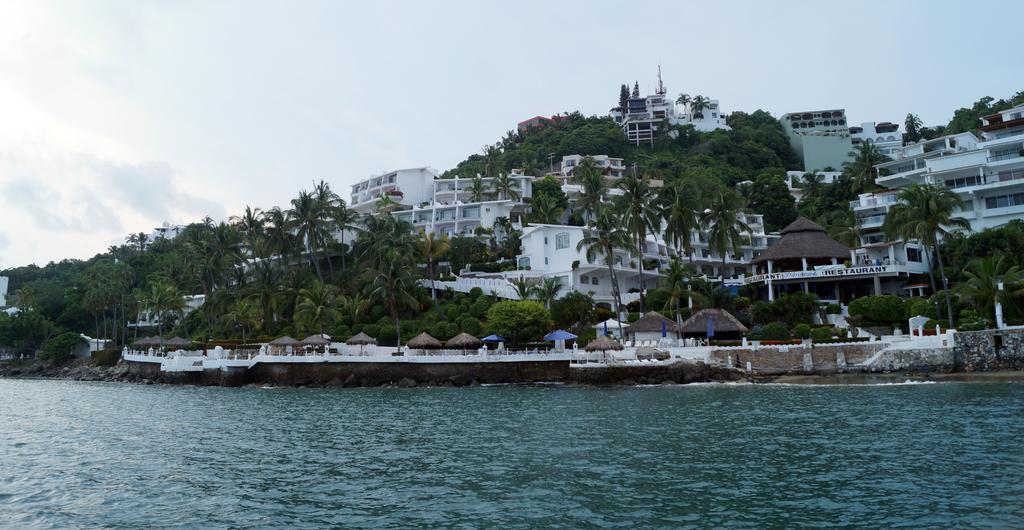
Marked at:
<point>283,343</point>
<point>423,341</point>
<point>603,343</point>
<point>146,341</point>
<point>362,339</point>
<point>464,341</point>
<point>314,341</point>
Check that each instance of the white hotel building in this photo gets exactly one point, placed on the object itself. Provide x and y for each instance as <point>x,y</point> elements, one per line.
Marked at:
<point>547,250</point>
<point>987,174</point>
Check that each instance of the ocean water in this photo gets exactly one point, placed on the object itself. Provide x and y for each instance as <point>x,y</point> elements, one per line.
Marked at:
<point>76,454</point>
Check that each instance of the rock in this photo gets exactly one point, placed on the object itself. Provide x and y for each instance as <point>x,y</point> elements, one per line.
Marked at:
<point>458,380</point>
<point>350,381</point>
<point>406,383</point>
<point>336,382</point>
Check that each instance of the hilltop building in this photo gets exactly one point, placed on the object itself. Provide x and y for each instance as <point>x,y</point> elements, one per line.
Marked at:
<point>644,116</point>
<point>885,136</point>
<point>406,187</point>
<point>612,167</point>
<point>549,250</point>
<point>166,231</point>
<point>821,138</point>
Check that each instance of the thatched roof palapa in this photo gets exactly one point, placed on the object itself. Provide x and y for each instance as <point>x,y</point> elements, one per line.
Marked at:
<point>603,343</point>
<point>463,340</point>
<point>652,321</point>
<point>315,340</point>
<point>176,341</point>
<point>423,341</point>
<point>804,238</point>
<point>360,339</point>
<point>147,341</point>
<point>724,322</point>
<point>284,341</point>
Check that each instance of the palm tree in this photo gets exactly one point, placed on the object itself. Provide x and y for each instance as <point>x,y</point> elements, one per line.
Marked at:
<point>432,248</point>
<point>589,176</point>
<point>477,189</point>
<point>724,224</point>
<point>680,207</point>
<point>278,233</point>
<point>506,187</point>
<point>242,316</point>
<point>912,125</point>
<point>843,227</point>
<point>345,219</point>
<point>684,99</point>
<point>697,107</point>
<point>524,288</point>
<point>393,285</point>
<point>676,279</point>
<point>603,238</point>
<point>862,168</point>
<point>250,224</point>
<point>923,213</point>
<point>641,216</point>
<point>545,209</point>
<point>319,307</point>
<point>266,287</point>
<point>547,291</point>
<point>306,218</point>
<point>983,276</point>
<point>164,299</point>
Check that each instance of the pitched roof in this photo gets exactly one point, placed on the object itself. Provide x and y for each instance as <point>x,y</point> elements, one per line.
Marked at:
<point>463,340</point>
<point>603,343</point>
<point>284,341</point>
<point>804,238</point>
<point>651,321</point>
<point>315,340</point>
<point>361,338</point>
<point>724,322</point>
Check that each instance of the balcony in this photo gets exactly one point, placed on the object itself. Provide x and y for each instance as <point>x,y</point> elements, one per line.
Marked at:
<point>871,221</point>
<point>1006,156</point>
<point>874,201</point>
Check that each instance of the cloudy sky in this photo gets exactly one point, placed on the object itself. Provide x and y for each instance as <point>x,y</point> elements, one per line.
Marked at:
<point>116,116</point>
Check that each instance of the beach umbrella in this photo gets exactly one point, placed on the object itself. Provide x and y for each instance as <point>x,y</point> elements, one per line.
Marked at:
<point>423,341</point>
<point>664,330</point>
<point>559,334</point>
<point>463,341</point>
<point>605,327</point>
<point>361,339</point>
<point>711,326</point>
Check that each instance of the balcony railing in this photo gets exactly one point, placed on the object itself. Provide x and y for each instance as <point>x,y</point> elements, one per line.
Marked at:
<point>871,220</point>
<point>880,200</point>
<point>1006,156</point>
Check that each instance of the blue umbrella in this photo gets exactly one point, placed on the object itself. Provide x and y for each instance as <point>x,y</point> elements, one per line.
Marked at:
<point>711,326</point>
<point>493,338</point>
<point>605,327</point>
<point>559,334</point>
<point>664,329</point>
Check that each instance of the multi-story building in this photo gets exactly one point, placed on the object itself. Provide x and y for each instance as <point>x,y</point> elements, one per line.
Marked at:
<point>795,181</point>
<point>612,167</point>
<point>453,210</point>
<point>406,187</point>
<point>707,119</point>
<point>166,231</point>
<point>987,175</point>
<point>885,136</point>
<point>644,116</point>
<point>821,138</point>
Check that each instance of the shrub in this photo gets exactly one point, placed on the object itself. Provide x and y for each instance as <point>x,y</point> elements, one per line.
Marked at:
<point>385,335</point>
<point>834,309</point>
<point>519,321</point>
<point>802,331</point>
<point>970,320</point>
<point>475,293</point>
<point>742,302</point>
<point>60,347</point>
<point>820,334</point>
<point>774,331</point>
<point>107,357</point>
<point>920,307</point>
<point>879,310</point>
<point>471,325</point>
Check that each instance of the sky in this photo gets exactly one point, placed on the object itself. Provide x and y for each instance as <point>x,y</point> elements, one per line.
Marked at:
<point>116,116</point>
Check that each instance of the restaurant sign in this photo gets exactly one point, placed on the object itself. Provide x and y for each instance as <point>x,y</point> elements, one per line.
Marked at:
<point>837,273</point>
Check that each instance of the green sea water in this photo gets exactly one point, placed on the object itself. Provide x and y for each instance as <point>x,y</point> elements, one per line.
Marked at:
<point>93,455</point>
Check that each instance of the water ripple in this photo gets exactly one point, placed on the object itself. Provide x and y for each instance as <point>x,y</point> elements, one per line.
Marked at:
<point>107,455</point>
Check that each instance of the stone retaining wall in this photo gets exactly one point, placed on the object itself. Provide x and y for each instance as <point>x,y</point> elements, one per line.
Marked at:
<point>988,350</point>
<point>678,372</point>
<point>820,358</point>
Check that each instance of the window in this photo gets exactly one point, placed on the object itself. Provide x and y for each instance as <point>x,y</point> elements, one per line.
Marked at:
<point>914,255</point>
<point>545,260</point>
<point>962,182</point>
<point>593,281</point>
<point>1005,201</point>
<point>561,240</point>
<point>545,240</point>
